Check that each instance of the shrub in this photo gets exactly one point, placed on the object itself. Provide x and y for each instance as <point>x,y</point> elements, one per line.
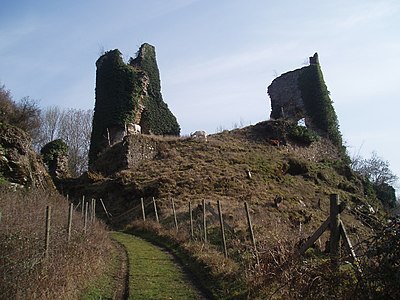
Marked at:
<point>53,149</point>
<point>24,114</point>
<point>386,194</point>
<point>381,264</point>
<point>302,134</point>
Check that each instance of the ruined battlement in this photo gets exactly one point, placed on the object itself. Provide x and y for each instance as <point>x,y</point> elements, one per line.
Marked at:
<point>302,94</point>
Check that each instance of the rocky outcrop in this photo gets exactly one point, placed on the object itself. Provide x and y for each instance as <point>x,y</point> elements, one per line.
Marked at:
<point>19,163</point>
<point>128,93</point>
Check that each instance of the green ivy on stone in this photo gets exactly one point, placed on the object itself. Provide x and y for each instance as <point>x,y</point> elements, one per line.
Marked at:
<point>53,149</point>
<point>318,104</point>
<point>119,87</point>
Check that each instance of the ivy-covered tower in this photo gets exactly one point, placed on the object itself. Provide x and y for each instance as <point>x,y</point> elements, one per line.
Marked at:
<point>302,93</point>
<point>128,93</point>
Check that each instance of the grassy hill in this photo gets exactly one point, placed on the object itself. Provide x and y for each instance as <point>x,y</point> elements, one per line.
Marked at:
<point>187,169</point>
<point>301,172</point>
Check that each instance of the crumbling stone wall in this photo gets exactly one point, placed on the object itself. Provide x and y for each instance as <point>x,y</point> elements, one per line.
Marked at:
<point>156,117</point>
<point>285,94</point>
<point>127,154</point>
<point>302,93</point>
<point>58,168</point>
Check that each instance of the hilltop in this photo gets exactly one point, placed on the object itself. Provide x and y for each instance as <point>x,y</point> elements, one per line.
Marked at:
<point>301,173</point>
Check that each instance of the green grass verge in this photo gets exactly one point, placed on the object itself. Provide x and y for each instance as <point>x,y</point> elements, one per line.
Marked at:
<point>153,274</point>
<point>214,286</point>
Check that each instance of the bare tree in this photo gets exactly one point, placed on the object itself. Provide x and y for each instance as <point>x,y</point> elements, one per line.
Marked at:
<point>50,120</point>
<point>74,127</point>
<point>24,114</point>
<point>376,169</point>
<point>7,105</point>
<point>27,115</point>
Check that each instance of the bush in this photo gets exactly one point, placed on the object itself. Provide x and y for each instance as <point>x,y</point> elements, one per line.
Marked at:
<point>53,149</point>
<point>302,134</point>
<point>24,114</point>
<point>386,194</point>
<point>381,264</point>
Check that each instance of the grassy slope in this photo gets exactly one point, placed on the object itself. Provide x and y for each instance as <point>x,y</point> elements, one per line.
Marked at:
<point>193,170</point>
<point>69,268</point>
<point>216,170</point>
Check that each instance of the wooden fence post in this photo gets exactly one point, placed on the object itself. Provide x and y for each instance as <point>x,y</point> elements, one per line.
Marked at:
<point>251,231</point>
<point>71,209</point>
<point>86,217</point>
<point>105,209</point>
<point>335,230</point>
<point>108,138</point>
<point>143,211</point>
<point>174,212</point>
<point>47,233</point>
<point>155,210</point>
<point>349,248</point>
<point>221,222</point>
<point>94,210</point>
<point>191,220</point>
<point>83,206</point>
<point>90,211</point>
<point>315,236</point>
<point>204,221</point>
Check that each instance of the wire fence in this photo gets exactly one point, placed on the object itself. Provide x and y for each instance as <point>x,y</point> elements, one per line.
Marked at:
<point>36,241</point>
<point>202,221</point>
<point>228,228</point>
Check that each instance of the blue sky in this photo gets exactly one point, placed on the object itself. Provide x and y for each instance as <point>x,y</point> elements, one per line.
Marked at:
<point>216,58</point>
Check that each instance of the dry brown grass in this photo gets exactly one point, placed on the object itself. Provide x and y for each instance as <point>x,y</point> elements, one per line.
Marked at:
<point>194,170</point>
<point>281,273</point>
<point>24,271</point>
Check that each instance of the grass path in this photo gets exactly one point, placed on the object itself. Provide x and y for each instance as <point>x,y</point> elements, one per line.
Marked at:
<point>153,273</point>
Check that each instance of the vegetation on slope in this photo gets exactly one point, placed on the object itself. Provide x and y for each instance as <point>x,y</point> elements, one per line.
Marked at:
<point>19,163</point>
<point>69,267</point>
<point>301,175</point>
